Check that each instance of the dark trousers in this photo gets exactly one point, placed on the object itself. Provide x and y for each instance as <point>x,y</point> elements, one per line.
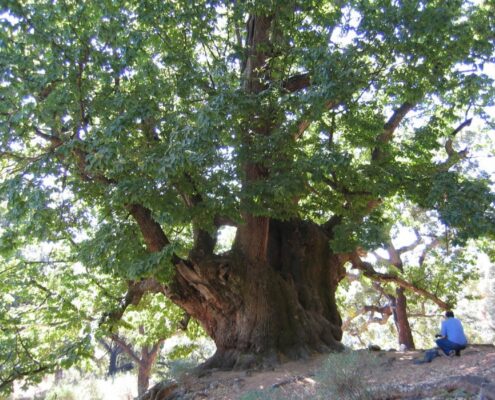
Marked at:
<point>447,346</point>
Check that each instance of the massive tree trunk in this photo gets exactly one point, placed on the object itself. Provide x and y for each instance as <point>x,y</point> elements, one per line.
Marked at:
<point>260,312</point>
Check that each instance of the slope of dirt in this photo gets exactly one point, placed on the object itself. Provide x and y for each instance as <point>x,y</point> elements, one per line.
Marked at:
<point>394,376</point>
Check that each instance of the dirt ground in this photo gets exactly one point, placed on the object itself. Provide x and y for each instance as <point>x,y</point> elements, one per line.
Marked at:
<point>471,376</point>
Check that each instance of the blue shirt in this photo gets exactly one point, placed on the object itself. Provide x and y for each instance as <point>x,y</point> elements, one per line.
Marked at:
<point>452,330</point>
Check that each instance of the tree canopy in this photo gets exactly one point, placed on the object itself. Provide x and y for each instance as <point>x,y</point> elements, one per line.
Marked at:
<point>131,131</point>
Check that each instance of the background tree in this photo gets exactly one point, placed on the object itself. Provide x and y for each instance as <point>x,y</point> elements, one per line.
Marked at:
<point>428,272</point>
<point>142,331</point>
<point>115,352</point>
<point>144,123</point>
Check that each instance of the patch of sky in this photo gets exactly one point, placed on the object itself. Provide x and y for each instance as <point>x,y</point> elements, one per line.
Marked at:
<point>7,16</point>
<point>225,238</point>
<point>28,100</point>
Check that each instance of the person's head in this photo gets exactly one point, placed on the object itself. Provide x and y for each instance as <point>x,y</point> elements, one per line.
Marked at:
<point>449,314</point>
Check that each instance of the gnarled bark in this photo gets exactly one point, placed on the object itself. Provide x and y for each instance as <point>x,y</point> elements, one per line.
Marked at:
<point>261,312</point>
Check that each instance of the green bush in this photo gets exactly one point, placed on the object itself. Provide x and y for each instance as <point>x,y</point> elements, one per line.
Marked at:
<point>341,376</point>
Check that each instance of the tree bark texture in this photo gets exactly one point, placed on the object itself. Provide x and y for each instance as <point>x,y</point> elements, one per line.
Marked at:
<point>144,373</point>
<point>147,360</point>
<point>260,312</point>
<point>402,321</point>
<point>401,318</point>
<point>253,234</point>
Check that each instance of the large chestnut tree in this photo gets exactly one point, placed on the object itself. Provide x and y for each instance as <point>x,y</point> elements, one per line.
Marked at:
<point>133,130</point>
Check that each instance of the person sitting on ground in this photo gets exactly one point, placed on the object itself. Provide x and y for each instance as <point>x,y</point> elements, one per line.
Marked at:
<point>452,338</point>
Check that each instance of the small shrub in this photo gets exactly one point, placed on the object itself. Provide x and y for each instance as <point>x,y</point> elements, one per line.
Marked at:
<point>341,376</point>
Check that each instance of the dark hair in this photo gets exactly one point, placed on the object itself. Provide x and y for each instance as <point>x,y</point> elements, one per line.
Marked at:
<point>449,314</point>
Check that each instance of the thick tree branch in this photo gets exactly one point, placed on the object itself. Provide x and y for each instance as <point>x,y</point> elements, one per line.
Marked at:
<point>106,345</point>
<point>305,123</point>
<point>369,272</point>
<point>453,157</point>
<point>153,234</point>
<point>389,129</point>
<point>434,243</point>
<point>449,148</point>
<point>394,257</point>
<point>54,140</point>
<point>79,155</point>
<point>135,292</point>
<point>461,126</point>
<point>331,223</point>
<point>47,90</point>
<point>126,347</point>
<point>258,46</point>
<point>296,82</point>
<point>395,120</point>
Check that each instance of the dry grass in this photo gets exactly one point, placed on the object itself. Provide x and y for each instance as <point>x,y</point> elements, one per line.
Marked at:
<point>342,376</point>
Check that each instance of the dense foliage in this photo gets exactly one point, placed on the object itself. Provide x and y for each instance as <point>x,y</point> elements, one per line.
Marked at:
<point>117,112</point>
<point>46,313</point>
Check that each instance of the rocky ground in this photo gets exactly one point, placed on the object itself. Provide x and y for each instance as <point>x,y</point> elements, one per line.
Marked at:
<point>388,375</point>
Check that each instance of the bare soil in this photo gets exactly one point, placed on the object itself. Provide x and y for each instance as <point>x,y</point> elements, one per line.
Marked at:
<point>396,376</point>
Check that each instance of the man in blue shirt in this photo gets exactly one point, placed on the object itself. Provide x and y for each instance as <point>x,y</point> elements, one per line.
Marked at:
<point>452,339</point>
